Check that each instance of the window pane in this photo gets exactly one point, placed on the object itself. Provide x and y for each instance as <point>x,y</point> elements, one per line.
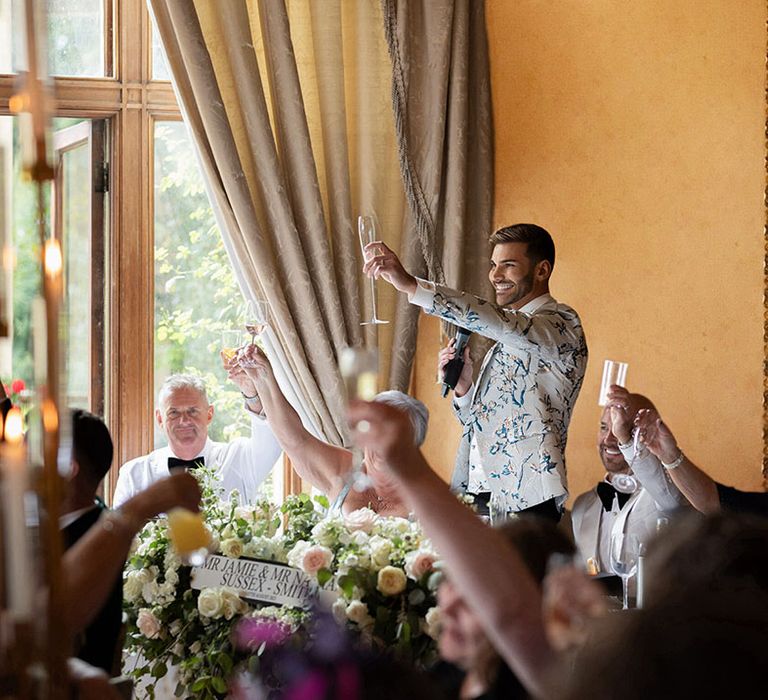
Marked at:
<point>70,202</point>
<point>160,70</point>
<point>196,296</point>
<point>75,37</point>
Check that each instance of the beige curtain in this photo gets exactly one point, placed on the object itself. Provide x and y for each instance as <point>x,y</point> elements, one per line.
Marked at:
<point>290,106</point>
<point>442,104</point>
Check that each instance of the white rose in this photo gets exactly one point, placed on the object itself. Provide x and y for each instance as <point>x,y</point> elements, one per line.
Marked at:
<point>359,538</point>
<point>172,560</point>
<point>171,576</point>
<point>174,628</point>
<point>432,622</point>
<point>357,612</point>
<point>326,531</point>
<point>419,563</point>
<point>132,586</point>
<point>315,558</point>
<point>209,603</point>
<point>391,580</point>
<point>195,647</point>
<point>178,650</point>
<point>227,532</point>
<point>150,591</point>
<point>146,575</point>
<point>231,604</point>
<point>381,548</point>
<point>232,548</point>
<point>361,519</point>
<point>244,513</point>
<point>297,554</point>
<point>148,624</point>
<point>339,610</point>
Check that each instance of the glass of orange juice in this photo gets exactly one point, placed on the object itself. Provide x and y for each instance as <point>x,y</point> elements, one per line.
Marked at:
<point>189,536</point>
<point>231,341</point>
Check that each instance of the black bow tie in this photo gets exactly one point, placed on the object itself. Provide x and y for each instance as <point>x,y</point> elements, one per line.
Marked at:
<point>176,463</point>
<point>606,492</point>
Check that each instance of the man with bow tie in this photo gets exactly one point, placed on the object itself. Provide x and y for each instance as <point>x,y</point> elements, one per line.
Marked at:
<point>635,507</point>
<point>183,413</point>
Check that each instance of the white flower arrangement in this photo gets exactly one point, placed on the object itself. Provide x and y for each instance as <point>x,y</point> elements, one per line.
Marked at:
<point>379,571</point>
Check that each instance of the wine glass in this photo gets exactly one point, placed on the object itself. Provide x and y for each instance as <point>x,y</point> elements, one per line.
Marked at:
<point>498,509</point>
<point>613,373</point>
<point>359,370</point>
<point>231,340</point>
<point>256,318</point>
<point>366,229</point>
<point>625,550</point>
<point>189,536</point>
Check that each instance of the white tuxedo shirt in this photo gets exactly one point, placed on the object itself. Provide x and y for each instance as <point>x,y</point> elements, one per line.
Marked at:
<point>242,464</point>
<point>656,495</point>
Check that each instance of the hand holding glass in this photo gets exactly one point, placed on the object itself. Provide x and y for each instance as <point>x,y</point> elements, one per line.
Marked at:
<point>189,536</point>
<point>613,373</point>
<point>359,370</point>
<point>366,229</point>
<point>231,340</point>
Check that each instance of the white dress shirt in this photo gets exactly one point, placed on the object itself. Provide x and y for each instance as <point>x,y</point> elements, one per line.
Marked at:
<point>242,464</point>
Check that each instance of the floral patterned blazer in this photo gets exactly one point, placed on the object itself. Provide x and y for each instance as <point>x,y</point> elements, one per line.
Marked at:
<point>521,403</point>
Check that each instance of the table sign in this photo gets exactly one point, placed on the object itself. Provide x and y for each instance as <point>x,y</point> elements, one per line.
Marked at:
<point>255,580</point>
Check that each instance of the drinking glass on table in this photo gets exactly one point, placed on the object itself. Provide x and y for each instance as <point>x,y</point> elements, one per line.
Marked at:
<point>625,549</point>
<point>189,536</point>
<point>498,509</point>
<point>231,340</point>
<point>256,319</point>
<point>359,369</point>
<point>366,230</point>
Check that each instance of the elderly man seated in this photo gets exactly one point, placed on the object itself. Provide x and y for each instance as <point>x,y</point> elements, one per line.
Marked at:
<point>605,511</point>
<point>327,467</point>
<point>184,414</point>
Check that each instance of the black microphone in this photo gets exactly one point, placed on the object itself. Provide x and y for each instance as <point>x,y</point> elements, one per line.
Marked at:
<point>452,370</point>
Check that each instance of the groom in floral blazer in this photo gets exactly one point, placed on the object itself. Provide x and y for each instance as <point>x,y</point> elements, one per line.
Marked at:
<point>516,414</point>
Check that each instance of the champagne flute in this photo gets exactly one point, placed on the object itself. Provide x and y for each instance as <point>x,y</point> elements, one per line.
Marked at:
<point>231,340</point>
<point>613,373</point>
<point>366,230</point>
<point>359,370</point>
<point>189,536</point>
<point>625,549</point>
<point>256,319</point>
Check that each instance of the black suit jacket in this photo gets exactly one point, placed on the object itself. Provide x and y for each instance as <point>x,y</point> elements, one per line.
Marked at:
<point>101,638</point>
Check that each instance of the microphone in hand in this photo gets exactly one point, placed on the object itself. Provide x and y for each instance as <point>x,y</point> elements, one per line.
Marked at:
<point>453,368</point>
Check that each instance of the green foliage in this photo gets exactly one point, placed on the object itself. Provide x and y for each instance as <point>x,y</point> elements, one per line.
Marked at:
<point>196,297</point>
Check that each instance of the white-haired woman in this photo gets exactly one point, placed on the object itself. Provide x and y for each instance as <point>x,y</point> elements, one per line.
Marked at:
<point>325,466</point>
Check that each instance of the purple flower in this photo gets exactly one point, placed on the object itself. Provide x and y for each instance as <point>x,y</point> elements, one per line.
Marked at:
<point>252,632</point>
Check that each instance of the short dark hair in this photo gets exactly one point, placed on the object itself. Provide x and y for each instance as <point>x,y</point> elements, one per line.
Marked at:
<point>92,447</point>
<point>540,243</point>
<point>536,540</point>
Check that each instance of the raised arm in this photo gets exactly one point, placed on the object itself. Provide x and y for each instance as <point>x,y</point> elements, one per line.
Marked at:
<point>322,465</point>
<point>699,488</point>
<point>91,565</point>
<point>487,569</point>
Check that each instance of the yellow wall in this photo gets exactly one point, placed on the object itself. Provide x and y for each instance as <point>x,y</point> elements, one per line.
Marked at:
<point>634,132</point>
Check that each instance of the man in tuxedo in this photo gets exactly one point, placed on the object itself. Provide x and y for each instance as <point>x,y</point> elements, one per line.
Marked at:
<point>516,415</point>
<point>81,508</point>
<point>184,414</point>
<point>604,511</point>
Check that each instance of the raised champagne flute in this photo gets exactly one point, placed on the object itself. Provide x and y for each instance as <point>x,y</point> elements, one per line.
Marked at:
<point>257,317</point>
<point>625,550</point>
<point>231,340</point>
<point>359,369</point>
<point>189,536</point>
<point>366,229</point>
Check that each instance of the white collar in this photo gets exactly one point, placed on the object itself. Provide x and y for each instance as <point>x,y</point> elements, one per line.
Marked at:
<point>535,304</point>
<point>68,518</point>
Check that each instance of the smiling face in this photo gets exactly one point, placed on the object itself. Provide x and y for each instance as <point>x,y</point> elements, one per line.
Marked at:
<point>516,279</point>
<point>184,418</point>
<point>462,640</point>
<point>608,447</point>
